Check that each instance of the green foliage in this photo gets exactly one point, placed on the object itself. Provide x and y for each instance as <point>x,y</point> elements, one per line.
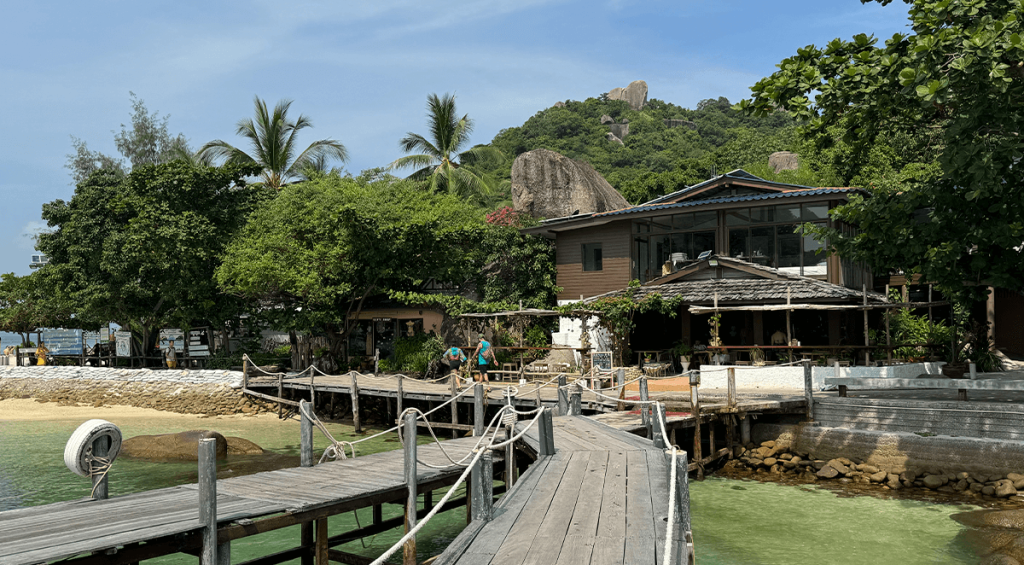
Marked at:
<point>949,95</point>
<point>415,353</point>
<point>274,149</point>
<point>655,159</point>
<point>322,247</point>
<point>518,267</point>
<point>141,250</point>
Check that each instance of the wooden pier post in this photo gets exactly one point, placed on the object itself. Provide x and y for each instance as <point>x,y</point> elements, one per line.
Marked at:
<point>411,478</point>
<point>681,537</point>
<point>212,553</point>
<point>482,485</point>
<point>660,441</point>
<point>100,486</point>
<point>305,435</point>
<point>546,443</point>
<point>867,341</point>
<point>245,372</point>
<point>322,543</point>
<point>455,404</point>
<point>695,408</point>
<point>510,459</point>
<point>356,420</point>
<point>731,391</point>
<point>563,396</point>
<point>645,409</point>
<point>479,410</point>
<point>576,402</point>
<point>400,395</point>
<point>809,390</point>
<point>745,430</point>
<point>280,396</point>
<point>307,543</point>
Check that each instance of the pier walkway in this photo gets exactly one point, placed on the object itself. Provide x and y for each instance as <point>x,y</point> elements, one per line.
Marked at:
<point>602,498</point>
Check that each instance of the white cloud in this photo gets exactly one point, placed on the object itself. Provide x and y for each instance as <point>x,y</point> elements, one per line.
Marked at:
<point>27,237</point>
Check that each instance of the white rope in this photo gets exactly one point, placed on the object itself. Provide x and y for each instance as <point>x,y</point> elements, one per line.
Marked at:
<point>671,509</point>
<point>437,507</point>
<point>101,469</point>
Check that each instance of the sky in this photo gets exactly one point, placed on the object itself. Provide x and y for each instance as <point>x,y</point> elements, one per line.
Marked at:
<point>361,71</point>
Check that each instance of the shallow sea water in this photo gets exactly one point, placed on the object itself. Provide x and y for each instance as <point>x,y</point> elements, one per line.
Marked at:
<point>734,522</point>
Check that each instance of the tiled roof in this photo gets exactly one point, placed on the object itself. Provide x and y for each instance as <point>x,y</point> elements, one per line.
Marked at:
<point>738,174</point>
<point>729,199</point>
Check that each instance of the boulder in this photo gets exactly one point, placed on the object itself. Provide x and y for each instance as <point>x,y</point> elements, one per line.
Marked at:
<point>606,119</point>
<point>241,446</point>
<point>1005,489</point>
<point>839,466</point>
<point>611,137</point>
<point>770,461</point>
<point>933,481</point>
<point>559,104</point>
<point>988,491</point>
<point>878,477</point>
<point>182,445</point>
<point>784,161</point>
<point>620,130</point>
<point>635,94</point>
<point>546,184</point>
<point>828,472</point>
<point>868,469</point>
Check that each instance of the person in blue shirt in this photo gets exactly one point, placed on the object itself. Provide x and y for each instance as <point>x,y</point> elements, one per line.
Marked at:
<point>455,358</point>
<point>484,356</point>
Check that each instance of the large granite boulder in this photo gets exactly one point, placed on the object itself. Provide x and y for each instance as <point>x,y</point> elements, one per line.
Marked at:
<point>784,161</point>
<point>611,137</point>
<point>185,446</point>
<point>606,119</point>
<point>620,130</point>
<point>635,94</point>
<point>546,184</point>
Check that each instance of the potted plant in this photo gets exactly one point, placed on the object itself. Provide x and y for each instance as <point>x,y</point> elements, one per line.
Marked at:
<point>684,351</point>
<point>757,356</point>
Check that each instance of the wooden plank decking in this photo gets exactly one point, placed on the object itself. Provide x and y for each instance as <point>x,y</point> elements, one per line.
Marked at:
<point>602,499</point>
<point>47,533</point>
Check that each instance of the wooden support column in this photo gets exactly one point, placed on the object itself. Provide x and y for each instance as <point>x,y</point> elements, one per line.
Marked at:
<point>400,397</point>
<point>731,390</point>
<point>208,502</point>
<point>745,430</point>
<point>888,335</point>
<point>660,441</point>
<point>305,436</point>
<point>510,459</point>
<point>321,542</point>
<point>867,341</point>
<point>455,404</point>
<point>280,396</point>
<point>929,303</point>
<point>100,486</point>
<point>482,485</point>
<point>563,396</point>
<point>758,327</point>
<point>789,324</point>
<point>576,402</point>
<point>809,390</point>
<point>411,478</point>
<point>695,408</point>
<point>307,543</point>
<point>546,442</point>
<point>356,420</point>
<point>479,410</point>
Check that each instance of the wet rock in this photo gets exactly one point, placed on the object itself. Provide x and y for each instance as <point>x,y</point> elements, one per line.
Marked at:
<point>961,485</point>
<point>755,462</point>
<point>1005,489</point>
<point>988,491</point>
<point>789,464</point>
<point>869,469</point>
<point>819,464</point>
<point>839,466</point>
<point>933,481</point>
<point>878,477</point>
<point>770,461</point>
<point>769,444</point>
<point>976,487</point>
<point>828,472</point>
<point>785,456</point>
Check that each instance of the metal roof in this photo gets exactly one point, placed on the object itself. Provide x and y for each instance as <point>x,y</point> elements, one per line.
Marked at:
<point>738,174</point>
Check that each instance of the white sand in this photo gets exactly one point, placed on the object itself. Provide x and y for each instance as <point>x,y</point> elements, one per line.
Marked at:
<point>28,410</point>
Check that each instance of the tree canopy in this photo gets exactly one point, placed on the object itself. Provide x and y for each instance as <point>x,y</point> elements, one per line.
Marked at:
<point>953,89</point>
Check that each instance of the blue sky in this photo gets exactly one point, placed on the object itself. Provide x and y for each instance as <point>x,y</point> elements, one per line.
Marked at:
<point>362,70</point>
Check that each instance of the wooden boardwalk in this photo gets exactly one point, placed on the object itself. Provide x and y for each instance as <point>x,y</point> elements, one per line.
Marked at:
<point>602,499</point>
<point>167,520</point>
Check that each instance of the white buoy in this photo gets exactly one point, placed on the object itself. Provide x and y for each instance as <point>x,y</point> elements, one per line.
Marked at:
<point>78,451</point>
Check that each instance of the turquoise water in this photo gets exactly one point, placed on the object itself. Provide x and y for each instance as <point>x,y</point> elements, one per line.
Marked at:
<point>734,522</point>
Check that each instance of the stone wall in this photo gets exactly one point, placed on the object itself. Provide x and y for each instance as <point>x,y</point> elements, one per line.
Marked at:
<point>775,377</point>
<point>972,419</point>
<point>898,451</point>
<point>182,391</point>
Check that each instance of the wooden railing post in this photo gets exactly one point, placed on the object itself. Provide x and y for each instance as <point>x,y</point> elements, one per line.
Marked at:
<point>563,396</point>
<point>305,435</point>
<point>356,420</point>
<point>731,391</point>
<point>660,441</point>
<point>479,410</point>
<point>482,485</point>
<point>576,402</point>
<point>645,409</point>
<point>212,554</point>
<point>401,394</point>
<point>546,443</point>
<point>280,395</point>
<point>245,372</point>
<point>695,407</point>
<point>411,480</point>
<point>510,458</point>
<point>100,486</point>
<point>809,390</point>
<point>455,403</point>
<point>681,528</point>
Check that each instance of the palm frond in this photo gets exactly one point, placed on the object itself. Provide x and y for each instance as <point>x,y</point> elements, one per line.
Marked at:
<point>479,155</point>
<point>416,142</point>
<point>322,149</point>
<point>217,150</point>
<point>412,161</point>
<point>463,182</point>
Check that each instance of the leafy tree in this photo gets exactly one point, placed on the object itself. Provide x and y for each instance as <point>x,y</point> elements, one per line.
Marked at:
<point>29,303</point>
<point>147,141</point>
<point>518,267</point>
<point>271,137</point>
<point>442,162</point>
<point>954,85</point>
<point>321,248</point>
<point>141,250</point>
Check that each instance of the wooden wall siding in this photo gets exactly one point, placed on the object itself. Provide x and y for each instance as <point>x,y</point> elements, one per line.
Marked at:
<point>616,241</point>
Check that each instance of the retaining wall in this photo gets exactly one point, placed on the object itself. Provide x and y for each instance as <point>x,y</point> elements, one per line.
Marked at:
<point>970,419</point>
<point>70,372</point>
<point>899,451</point>
<point>792,376</point>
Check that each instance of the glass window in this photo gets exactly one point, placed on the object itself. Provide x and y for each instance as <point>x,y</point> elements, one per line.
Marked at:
<point>814,212</point>
<point>703,241</point>
<point>814,257</point>
<point>739,217</point>
<point>762,246</point>
<point>788,213</point>
<point>592,257</point>
<point>660,251</point>
<point>787,248</point>
<point>641,260</point>
<point>661,224</point>
<point>641,227</point>
<point>762,215</point>
<point>739,243</point>
<point>682,243</point>
<point>682,221</point>
<point>705,220</point>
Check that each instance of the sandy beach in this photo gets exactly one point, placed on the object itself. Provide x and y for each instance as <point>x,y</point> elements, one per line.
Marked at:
<point>30,410</point>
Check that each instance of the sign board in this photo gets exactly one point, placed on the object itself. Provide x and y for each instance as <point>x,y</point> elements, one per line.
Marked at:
<point>104,334</point>
<point>601,361</point>
<point>123,343</point>
<point>198,342</point>
<point>63,342</point>
<point>171,334</point>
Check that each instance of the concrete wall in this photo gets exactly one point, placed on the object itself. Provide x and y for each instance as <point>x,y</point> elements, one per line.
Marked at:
<point>896,452</point>
<point>775,377</point>
<point>76,373</point>
<point>968,419</point>
<point>570,334</point>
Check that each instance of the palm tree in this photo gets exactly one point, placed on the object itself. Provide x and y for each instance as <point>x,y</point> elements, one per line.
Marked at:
<point>440,161</point>
<point>272,137</point>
